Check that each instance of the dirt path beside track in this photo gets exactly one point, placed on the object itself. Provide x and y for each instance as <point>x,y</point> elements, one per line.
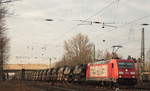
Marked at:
<point>15,86</point>
<point>45,86</point>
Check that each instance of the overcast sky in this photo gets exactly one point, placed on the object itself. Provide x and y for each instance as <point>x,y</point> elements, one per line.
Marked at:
<point>33,40</point>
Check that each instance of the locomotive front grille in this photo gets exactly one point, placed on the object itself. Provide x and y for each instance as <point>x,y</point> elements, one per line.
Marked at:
<point>127,81</point>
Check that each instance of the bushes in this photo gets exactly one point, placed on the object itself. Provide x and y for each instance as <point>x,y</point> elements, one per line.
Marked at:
<point>147,66</point>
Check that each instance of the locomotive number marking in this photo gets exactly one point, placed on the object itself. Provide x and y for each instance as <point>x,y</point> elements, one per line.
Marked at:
<point>98,71</point>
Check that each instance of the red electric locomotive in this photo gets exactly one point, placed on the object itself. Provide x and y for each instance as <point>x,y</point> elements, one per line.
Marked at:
<point>114,70</point>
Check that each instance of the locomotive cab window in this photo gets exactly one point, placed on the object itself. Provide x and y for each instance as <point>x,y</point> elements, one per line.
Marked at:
<point>125,65</point>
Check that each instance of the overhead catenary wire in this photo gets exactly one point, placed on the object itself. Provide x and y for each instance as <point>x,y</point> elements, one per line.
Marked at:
<point>75,26</point>
<point>107,6</point>
<point>131,22</point>
<point>123,25</point>
<point>110,4</point>
<point>116,6</point>
<point>135,50</point>
<point>100,11</point>
<point>135,20</point>
<point>141,18</point>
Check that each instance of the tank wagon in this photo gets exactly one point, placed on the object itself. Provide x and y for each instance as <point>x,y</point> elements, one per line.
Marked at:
<point>114,71</point>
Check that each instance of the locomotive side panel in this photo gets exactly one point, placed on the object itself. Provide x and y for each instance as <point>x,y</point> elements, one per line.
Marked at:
<point>97,72</point>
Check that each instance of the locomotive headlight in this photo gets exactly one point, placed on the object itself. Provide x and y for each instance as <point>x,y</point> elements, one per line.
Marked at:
<point>133,76</point>
<point>120,76</point>
<point>120,72</point>
<point>132,73</point>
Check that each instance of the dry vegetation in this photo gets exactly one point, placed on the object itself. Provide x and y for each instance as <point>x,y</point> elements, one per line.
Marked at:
<point>147,66</point>
<point>79,50</point>
<point>3,37</point>
<point>147,63</point>
<point>17,86</point>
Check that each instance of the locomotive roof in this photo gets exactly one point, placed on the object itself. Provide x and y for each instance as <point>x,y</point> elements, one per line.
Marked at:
<point>107,61</point>
<point>101,62</point>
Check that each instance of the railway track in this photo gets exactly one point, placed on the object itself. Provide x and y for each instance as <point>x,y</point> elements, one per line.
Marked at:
<point>45,86</point>
<point>61,87</point>
<point>134,89</point>
<point>48,87</point>
<point>119,88</point>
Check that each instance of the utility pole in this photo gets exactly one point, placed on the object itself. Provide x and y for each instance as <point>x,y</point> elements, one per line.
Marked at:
<point>141,65</point>
<point>94,52</point>
<point>142,46</point>
<point>142,61</point>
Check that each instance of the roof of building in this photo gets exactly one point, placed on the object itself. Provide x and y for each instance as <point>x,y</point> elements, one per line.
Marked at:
<point>25,66</point>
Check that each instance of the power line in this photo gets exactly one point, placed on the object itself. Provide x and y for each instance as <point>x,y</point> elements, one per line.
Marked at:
<point>87,19</point>
<point>110,4</point>
<point>101,10</point>
<point>138,19</point>
<point>133,21</point>
<point>62,35</point>
<point>116,10</point>
<point>135,50</point>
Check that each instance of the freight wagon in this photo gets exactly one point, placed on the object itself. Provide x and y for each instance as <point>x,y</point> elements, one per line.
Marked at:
<point>113,71</point>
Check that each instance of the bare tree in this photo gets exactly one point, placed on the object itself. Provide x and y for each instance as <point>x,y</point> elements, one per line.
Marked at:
<point>148,54</point>
<point>78,50</point>
<point>3,38</point>
<point>147,63</point>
